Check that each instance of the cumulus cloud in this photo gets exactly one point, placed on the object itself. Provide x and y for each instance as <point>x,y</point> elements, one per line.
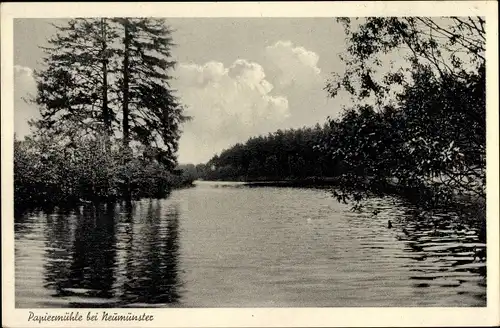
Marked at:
<point>294,71</point>
<point>292,65</point>
<point>24,87</point>
<point>228,105</point>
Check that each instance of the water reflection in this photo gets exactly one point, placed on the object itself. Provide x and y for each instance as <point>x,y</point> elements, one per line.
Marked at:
<point>58,233</point>
<point>103,256</point>
<point>80,263</point>
<point>448,250</point>
<point>152,251</point>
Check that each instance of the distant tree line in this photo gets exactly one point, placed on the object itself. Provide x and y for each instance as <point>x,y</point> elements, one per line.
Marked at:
<point>284,154</point>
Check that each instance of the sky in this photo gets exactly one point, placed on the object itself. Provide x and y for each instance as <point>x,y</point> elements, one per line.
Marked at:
<point>237,77</point>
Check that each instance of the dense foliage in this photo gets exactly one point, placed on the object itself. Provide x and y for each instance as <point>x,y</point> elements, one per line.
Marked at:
<point>151,113</point>
<point>420,126</point>
<point>438,143</point>
<point>46,171</point>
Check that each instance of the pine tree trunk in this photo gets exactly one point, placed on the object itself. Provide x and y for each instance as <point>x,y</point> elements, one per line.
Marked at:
<point>126,114</point>
<point>105,108</point>
<point>125,90</point>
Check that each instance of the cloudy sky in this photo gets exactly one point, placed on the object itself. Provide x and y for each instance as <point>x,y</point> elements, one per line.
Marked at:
<point>237,77</point>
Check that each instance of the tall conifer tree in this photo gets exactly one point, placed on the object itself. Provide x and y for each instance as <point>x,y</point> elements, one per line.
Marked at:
<point>112,76</point>
<point>73,88</point>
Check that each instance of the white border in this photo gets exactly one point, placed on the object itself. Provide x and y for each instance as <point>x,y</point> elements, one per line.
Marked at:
<point>268,317</point>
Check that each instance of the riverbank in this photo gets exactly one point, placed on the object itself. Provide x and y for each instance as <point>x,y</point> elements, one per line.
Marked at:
<point>306,182</point>
<point>25,201</point>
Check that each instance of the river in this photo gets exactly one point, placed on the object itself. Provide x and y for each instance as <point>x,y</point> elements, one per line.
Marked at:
<point>229,245</point>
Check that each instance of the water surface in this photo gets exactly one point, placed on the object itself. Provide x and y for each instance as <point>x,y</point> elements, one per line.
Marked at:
<point>228,245</point>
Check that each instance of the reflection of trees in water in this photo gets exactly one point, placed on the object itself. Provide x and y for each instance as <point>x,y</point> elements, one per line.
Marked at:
<point>439,240</point>
<point>453,242</point>
<point>152,254</point>
<point>88,270</point>
<point>25,217</point>
<point>446,248</point>
<point>58,241</point>
<point>21,215</point>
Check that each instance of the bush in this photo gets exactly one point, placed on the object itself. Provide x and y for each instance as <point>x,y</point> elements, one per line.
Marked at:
<point>51,170</point>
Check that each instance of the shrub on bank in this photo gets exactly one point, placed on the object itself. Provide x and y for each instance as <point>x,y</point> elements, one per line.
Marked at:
<point>50,170</point>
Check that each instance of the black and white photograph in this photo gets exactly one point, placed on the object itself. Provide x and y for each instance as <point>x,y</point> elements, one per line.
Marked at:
<point>250,162</point>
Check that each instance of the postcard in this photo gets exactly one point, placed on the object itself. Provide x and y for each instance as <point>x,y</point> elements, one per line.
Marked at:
<point>265,164</point>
